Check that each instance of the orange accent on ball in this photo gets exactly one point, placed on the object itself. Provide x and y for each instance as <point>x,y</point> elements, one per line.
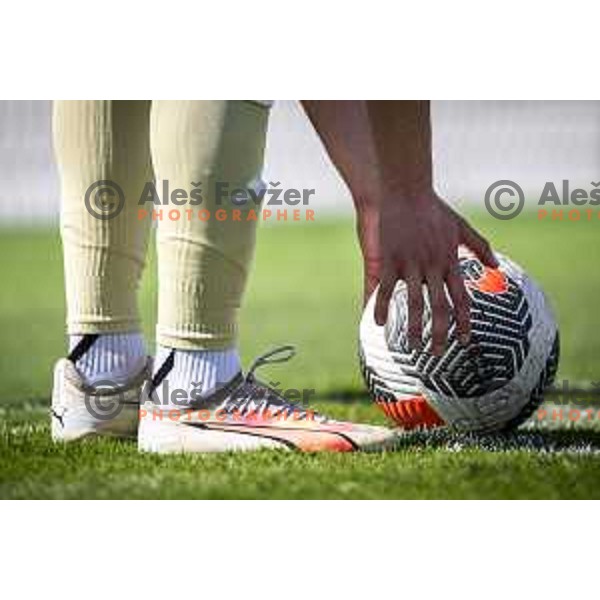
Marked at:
<point>411,412</point>
<point>492,281</point>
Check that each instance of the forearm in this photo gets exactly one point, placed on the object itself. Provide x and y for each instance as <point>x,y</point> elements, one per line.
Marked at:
<point>344,129</point>
<point>401,132</point>
<point>382,150</point>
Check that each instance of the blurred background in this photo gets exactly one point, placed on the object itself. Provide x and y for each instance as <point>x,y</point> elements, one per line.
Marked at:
<point>475,144</point>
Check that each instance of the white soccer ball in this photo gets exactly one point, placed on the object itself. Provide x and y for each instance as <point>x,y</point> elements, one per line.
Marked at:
<point>494,383</point>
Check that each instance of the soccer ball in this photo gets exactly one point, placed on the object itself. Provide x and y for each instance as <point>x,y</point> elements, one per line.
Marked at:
<point>495,383</point>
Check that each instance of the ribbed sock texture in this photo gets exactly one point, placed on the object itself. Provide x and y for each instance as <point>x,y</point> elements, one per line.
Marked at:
<point>203,263</point>
<point>114,357</point>
<point>102,143</point>
<point>204,371</point>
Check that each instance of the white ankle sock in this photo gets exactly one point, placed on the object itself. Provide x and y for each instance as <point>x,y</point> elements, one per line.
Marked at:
<point>203,371</point>
<point>115,357</point>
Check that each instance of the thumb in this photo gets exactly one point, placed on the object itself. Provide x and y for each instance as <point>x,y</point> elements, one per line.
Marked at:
<point>479,245</point>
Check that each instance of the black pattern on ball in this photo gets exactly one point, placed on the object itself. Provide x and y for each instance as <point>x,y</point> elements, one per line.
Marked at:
<point>500,325</point>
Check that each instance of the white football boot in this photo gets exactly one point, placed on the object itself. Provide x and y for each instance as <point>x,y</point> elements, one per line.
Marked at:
<point>247,415</point>
<point>105,409</point>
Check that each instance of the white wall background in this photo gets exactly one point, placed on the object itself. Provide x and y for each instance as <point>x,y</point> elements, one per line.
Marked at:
<point>475,144</point>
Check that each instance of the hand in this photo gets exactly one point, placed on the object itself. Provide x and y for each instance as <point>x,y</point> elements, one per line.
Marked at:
<point>419,243</point>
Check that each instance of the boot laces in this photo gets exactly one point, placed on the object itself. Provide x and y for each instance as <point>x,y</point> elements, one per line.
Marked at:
<point>257,398</point>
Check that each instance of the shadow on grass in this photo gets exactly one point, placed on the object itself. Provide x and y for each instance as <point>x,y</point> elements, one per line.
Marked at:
<point>531,440</point>
<point>572,397</point>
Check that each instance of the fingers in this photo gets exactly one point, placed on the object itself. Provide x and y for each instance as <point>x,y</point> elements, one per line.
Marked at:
<point>478,244</point>
<point>440,307</point>
<point>384,294</point>
<point>461,303</point>
<point>414,286</point>
<point>440,314</point>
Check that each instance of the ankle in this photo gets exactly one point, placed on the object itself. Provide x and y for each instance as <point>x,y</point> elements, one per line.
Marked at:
<point>200,371</point>
<point>114,357</point>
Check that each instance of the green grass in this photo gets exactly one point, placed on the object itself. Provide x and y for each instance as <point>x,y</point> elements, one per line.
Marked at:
<point>305,290</point>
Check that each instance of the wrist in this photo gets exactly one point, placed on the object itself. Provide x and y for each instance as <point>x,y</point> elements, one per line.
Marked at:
<point>413,202</point>
<point>410,191</point>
